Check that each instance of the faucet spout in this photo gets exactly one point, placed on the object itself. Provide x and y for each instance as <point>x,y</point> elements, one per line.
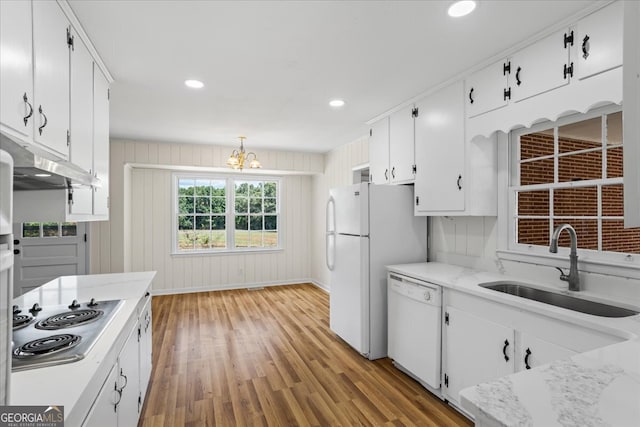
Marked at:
<point>572,277</point>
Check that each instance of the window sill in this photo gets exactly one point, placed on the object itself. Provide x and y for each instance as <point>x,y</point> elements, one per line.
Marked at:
<point>227,252</point>
<point>629,269</point>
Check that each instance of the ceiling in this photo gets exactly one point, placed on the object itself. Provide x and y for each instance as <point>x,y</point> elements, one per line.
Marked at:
<point>271,67</point>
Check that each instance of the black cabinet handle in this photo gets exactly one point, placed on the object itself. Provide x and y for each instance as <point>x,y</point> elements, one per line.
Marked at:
<point>526,359</point>
<point>126,381</point>
<point>16,242</point>
<point>458,182</point>
<point>115,405</point>
<point>26,101</point>
<point>585,47</point>
<point>504,350</point>
<point>518,81</point>
<point>45,120</point>
<point>393,172</point>
<point>386,174</point>
<point>471,96</point>
<point>16,251</point>
<point>147,294</point>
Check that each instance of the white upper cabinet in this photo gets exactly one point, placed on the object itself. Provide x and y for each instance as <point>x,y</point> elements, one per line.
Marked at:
<point>440,151</point>
<point>51,77</point>
<point>101,144</point>
<point>487,89</point>
<point>81,123</point>
<point>81,120</point>
<point>16,84</point>
<point>401,145</point>
<point>541,67</point>
<point>379,152</point>
<point>392,149</point>
<point>598,44</point>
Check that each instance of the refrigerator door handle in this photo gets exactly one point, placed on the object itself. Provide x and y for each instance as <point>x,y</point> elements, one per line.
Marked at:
<point>330,215</point>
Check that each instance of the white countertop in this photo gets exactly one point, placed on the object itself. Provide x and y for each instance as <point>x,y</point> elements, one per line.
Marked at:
<point>595,388</point>
<point>75,385</point>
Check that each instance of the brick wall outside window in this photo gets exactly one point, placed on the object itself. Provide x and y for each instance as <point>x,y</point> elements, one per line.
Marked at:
<point>578,205</point>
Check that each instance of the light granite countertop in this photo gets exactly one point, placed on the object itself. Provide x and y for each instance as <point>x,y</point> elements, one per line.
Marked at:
<point>76,385</point>
<point>600,387</point>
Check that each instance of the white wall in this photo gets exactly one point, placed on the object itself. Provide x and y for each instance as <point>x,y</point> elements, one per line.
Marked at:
<point>466,241</point>
<point>138,235</point>
<point>338,171</point>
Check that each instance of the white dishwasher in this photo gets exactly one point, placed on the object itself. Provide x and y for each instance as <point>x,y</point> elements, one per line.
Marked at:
<point>414,318</point>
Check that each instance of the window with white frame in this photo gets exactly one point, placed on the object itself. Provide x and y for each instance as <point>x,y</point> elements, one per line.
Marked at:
<point>225,213</point>
<point>570,171</point>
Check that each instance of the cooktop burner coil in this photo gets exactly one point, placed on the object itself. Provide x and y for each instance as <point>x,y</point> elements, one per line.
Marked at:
<point>47,345</point>
<point>21,320</point>
<point>69,319</point>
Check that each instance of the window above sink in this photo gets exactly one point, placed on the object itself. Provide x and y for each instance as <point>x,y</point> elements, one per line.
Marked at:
<point>569,171</point>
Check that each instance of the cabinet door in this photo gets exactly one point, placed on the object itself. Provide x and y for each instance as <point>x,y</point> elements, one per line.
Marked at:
<point>631,112</point>
<point>81,123</point>
<point>533,351</point>
<point>476,350</point>
<point>401,145</point>
<point>145,348</point>
<point>129,380</point>
<point>379,152</point>
<point>440,151</point>
<point>540,67</point>
<point>51,77</point>
<point>101,143</point>
<point>598,43</point>
<point>485,89</point>
<point>16,70</point>
<point>104,413</point>
<point>81,120</point>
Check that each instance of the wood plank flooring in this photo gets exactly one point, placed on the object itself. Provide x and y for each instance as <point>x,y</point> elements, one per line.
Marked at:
<point>268,358</point>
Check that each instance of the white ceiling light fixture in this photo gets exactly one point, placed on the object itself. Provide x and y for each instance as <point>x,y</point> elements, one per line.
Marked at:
<point>461,8</point>
<point>238,157</point>
<point>42,175</point>
<point>336,103</point>
<point>194,84</point>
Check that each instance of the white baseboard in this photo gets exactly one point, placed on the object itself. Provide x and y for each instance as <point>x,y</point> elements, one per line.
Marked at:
<point>232,286</point>
<point>320,285</point>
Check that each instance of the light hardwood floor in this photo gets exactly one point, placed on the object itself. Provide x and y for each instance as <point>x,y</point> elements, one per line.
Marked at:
<point>268,357</point>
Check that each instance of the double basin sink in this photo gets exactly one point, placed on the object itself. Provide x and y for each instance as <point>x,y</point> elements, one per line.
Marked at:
<point>559,300</point>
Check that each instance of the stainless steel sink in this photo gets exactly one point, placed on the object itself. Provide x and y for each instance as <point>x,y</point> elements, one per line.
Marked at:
<point>559,300</point>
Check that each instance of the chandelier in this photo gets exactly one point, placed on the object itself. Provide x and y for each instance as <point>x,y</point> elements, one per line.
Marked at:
<point>238,157</point>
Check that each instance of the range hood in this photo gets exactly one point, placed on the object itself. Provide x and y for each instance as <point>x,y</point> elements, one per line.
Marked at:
<point>35,169</point>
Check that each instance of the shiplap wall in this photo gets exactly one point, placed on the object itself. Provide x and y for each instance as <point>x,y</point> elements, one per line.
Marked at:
<point>138,235</point>
<point>338,171</point>
<point>468,241</point>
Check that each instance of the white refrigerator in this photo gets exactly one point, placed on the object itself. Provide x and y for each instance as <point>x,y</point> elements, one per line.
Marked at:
<point>6,273</point>
<point>368,227</point>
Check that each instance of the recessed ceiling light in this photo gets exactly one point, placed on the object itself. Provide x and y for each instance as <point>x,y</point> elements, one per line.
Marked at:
<point>461,8</point>
<point>195,84</point>
<point>336,103</point>
<point>42,175</point>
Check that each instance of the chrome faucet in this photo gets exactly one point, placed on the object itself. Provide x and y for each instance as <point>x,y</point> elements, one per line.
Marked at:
<point>572,277</point>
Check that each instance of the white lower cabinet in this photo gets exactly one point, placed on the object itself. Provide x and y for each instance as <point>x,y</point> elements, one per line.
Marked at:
<point>145,350</point>
<point>533,351</point>
<point>477,350</point>
<point>483,340</point>
<point>128,380</point>
<point>121,397</point>
<point>104,412</point>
